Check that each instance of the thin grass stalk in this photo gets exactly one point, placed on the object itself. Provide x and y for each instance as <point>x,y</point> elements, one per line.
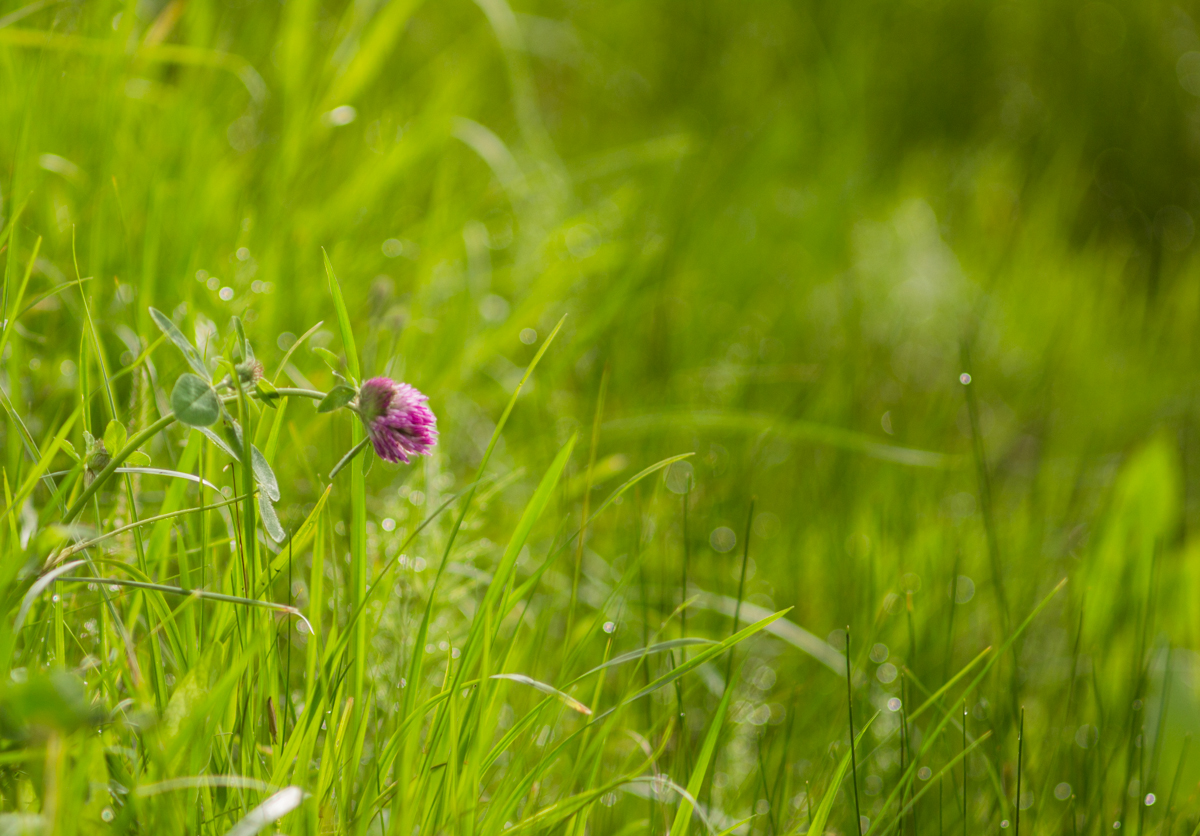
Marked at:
<point>1020,763</point>
<point>587,499</point>
<point>850,716</point>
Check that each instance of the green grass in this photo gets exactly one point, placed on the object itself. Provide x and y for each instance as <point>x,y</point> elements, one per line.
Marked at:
<point>743,323</point>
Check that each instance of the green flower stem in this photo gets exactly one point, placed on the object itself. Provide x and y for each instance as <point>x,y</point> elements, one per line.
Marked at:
<point>158,426</point>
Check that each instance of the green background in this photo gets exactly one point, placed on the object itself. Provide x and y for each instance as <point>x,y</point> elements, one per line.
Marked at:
<point>780,232</point>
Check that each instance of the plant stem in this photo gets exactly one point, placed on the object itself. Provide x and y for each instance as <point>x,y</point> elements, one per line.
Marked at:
<point>853,757</point>
<point>1020,757</point>
<point>149,432</point>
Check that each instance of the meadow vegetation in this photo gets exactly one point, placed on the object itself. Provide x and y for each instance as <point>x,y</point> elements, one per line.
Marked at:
<point>816,394</point>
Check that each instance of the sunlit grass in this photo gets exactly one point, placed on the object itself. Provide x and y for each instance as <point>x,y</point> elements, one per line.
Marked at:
<point>742,326</point>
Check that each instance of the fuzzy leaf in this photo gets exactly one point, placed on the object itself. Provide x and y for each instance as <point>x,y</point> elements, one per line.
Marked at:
<point>263,474</point>
<point>267,390</point>
<point>176,336</point>
<point>194,401</point>
<point>115,436</point>
<point>270,519</point>
<point>338,397</point>
<point>243,343</point>
<point>221,443</point>
<point>332,360</point>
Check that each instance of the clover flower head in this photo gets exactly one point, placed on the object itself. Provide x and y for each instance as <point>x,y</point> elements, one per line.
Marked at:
<point>398,419</point>
<point>249,372</point>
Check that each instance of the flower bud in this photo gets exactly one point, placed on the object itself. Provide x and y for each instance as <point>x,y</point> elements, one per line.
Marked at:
<point>249,372</point>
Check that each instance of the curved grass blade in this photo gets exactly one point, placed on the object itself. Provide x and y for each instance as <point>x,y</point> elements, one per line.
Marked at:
<point>156,471</point>
<point>273,809</point>
<point>418,656</point>
<point>729,830</point>
<point>59,288</point>
<point>195,593</point>
<point>933,781</point>
<point>937,695</point>
<point>789,631</point>
<point>41,460</point>
<point>633,480</point>
<point>39,586</point>
<point>932,735</point>
<point>536,577</point>
<point>750,422</point>
<point>821,815</point>
<point>343,318</point>
<point>500,579</point>
<point>292,349</point>
<point>78,547</point>
<point>195,781</point>
<point>683,815</point>
<point>698,660</point>
<point>9,326</point>
<point>300,540</point>
<point>555,814</point>
<point>660,647</point>
<point>567,699</point>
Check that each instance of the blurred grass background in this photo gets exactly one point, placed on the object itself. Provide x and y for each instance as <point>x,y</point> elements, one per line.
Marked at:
<point>785,229</point>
